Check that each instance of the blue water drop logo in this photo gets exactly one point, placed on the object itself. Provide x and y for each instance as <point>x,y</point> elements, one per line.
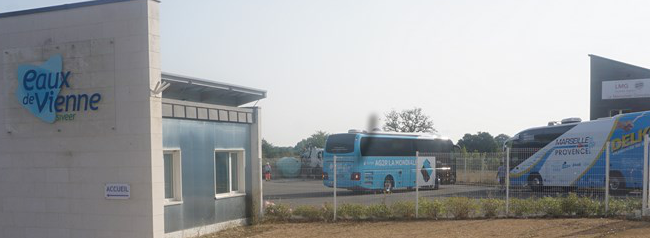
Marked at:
<point>39,86</point>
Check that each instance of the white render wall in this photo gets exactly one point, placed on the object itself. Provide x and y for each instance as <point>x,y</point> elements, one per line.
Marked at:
<point>52,176</point>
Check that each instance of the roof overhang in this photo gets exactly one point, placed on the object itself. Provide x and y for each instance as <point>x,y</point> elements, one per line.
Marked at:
<point>207,91</point>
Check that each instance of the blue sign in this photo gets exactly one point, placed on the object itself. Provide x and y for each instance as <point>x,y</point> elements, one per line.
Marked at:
<point>426,170</point>
<point>39,87</point>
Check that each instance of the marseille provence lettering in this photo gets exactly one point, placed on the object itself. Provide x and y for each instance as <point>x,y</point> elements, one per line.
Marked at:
<point>39,89</point>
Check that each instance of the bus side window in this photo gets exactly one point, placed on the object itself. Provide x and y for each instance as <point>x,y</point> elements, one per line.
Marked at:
<point>425,146</point>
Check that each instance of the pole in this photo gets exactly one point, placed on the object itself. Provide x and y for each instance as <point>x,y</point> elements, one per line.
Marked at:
<point>482,156</point>
<point>417,184</point>
<point>644,207</point>
<point>335,188</point>
<point>507,181</point>
<point>261,190</point>
<point>607,177</point>
<point>465,170</point>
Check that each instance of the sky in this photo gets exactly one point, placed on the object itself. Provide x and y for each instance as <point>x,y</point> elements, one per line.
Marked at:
<point>496,66</point>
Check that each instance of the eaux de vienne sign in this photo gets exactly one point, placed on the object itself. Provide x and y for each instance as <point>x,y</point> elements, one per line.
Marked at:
<point>39,87</point>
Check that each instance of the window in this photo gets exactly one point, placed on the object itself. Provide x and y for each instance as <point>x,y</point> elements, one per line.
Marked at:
<point>340,143</point>
<point>372,146</point>
<point>228,173</point>
<point>433,146</point>
<point>172,174</point>
<point>618,111</point>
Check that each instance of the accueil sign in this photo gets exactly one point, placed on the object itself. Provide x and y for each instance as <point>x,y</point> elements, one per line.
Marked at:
<point>39,87</point>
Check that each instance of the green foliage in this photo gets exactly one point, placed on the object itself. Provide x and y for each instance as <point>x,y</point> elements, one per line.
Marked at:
<point>403,209</point>
<point>350,211</point>
<point>522,207</point>
<point>623,207</point>
<point>410,120</point>
<point>500,139</point>
<point>550,206</point>
<point>271,151</point>
<point>327,212</point>
<point>378,211</point>
<point>460,207</point>
<point>308,213</point>
<point>480,142</point>
<point>277,212</point>
<point>570,204</point>
<point>315,140</point>
<point>588,206</point>
<point>457,208</point>
<point>492,206</point>
<point>431,208</point>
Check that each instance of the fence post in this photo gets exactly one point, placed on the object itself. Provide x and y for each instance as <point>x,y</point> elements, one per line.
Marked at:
<point>507,181</point>
<point>261,171</point>
<point>644,207</point>
<point>417,185</point>
<point>465,169</point>
<point>607,177</point>
<point>482,156</point>
<point>335,188</point>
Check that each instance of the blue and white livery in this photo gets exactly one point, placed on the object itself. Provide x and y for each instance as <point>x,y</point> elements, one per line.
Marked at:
<point>382,161</point>
<point>573,155</point>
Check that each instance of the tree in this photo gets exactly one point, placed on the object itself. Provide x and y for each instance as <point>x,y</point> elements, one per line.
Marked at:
<point>410,120</point>
<point>271,151</point>
<point>480,142</point>
<point>500,139</point>
<point>315,140</point>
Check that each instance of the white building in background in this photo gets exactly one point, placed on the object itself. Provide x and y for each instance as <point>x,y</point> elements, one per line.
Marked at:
<point>90,147</point>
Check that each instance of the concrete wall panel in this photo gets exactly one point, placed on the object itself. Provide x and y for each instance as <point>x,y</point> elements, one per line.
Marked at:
<point>53,175</point>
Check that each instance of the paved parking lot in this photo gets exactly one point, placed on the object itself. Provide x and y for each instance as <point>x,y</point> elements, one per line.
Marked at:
<point>313,192</point>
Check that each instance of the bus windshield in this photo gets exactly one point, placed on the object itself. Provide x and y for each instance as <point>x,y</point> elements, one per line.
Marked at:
<point>532,140</point>
<point>340,143</point>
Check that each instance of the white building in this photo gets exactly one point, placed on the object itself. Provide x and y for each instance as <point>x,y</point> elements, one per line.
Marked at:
<point>90,148</point>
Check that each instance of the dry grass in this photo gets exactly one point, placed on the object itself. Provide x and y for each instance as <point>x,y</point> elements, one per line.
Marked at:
<point>468,228</point>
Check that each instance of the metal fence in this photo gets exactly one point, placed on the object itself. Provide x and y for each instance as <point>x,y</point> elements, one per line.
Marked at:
<point>563,180</point>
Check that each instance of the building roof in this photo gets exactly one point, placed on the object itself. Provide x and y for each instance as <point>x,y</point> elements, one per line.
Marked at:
<point>608,59</point>
<point>59,7</point>
<point>208,91</point>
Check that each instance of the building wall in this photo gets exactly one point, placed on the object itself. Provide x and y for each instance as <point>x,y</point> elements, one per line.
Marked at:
<point>197,141</point>
<point>603,69</point>
<point>52,176</point>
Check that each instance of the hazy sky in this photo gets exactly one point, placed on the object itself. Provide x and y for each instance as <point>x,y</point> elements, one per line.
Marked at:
<point>495,66</point>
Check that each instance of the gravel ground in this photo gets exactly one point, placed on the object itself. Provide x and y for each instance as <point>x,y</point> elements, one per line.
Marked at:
<point>447,228</point>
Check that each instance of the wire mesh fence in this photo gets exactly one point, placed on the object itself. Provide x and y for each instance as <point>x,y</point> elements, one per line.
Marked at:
<point>573,178</point>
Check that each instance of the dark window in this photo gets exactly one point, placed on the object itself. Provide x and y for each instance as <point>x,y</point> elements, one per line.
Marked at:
<point>531,141</point>
<point>618,111</point>
<point>340,143</point>
<point>371,146</point>
<point>425,146</point>
<point>434,146</point>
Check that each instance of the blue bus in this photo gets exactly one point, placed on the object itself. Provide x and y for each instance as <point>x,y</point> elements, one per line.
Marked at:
<point>572,154</point>
<point>381,161</point>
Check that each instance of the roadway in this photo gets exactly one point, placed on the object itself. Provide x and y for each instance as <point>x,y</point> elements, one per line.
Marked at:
<point>312,192</point>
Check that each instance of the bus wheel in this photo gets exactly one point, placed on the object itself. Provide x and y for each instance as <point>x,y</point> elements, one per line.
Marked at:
<point>616,183</point>
<point>452,180</point>
<point>535,182</point>
<point>436,185</point>
<point>389,183</point>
